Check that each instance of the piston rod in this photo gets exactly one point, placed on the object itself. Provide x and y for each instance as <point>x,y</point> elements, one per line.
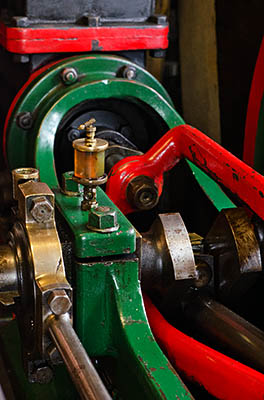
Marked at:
<point>228,329</point>
<point>79,365</point>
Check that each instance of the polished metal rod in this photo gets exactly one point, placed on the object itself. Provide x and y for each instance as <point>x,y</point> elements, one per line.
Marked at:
<point>79,365</point>
<point>228,329</point>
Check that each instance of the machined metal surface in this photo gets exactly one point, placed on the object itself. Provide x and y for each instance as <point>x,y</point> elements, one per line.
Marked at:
<point>167,254</point>
<point>8,276</point>
<point>21,175</point>
<point>80,367</point>
<point>233,243</point>
<point>228,329</point>
<point>36,205</point>
<point>179,246</point>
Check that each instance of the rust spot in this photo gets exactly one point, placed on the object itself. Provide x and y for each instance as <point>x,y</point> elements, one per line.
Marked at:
<point>96,46</point>
<point>162,368</point>
<point>172,369</point>
<point>130,321</point>
<point>162,394</point>
<point>149,371</point>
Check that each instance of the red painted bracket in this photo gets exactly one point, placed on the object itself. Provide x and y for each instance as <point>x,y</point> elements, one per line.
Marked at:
<point>185,141</point>
<point>71,39</point>
<point>220,375</point>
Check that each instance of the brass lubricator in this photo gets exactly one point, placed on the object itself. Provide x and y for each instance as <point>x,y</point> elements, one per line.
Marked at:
<point>89,160</point>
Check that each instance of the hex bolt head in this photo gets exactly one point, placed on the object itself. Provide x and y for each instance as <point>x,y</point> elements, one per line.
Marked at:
<point>69,75</point>
<point>129,72</point>
<point>42,374</point>
<point>103,219</point>
<point>59,302</point>
<point>142,193</point>
<point>24,120</point>
<point>42,210</point>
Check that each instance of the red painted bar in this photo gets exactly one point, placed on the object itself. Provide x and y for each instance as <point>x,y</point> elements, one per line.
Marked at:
<point>185,141</point>
<point>220,375</point>
<point>37,40</point>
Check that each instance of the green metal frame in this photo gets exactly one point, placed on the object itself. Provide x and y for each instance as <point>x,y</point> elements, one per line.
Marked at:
<point>110,319</point>
<point>49,100</point>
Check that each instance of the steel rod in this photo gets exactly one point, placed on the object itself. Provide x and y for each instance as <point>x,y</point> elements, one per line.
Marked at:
<point>79,365</point>
<point>227,329</point>
<point>221,376</point>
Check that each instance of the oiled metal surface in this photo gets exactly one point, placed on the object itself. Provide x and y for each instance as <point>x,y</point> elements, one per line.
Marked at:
<point>79,365</point>
<point>228,329</point>
<point>179,246</point>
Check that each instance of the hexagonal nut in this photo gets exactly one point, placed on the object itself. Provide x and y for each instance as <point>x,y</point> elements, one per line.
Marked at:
<point>42,375</point>
<point>102,218</point>
<point>59,302</point>
<point>69,186</point>
<point>42,210</point>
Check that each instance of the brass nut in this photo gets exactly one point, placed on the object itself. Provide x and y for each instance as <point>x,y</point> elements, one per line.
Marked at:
<point>102,218</point>
<point>42,210</point>
<point>59,302</point>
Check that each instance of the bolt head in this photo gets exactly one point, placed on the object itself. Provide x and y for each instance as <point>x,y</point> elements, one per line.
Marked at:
<point>59,302</point>
<point>69,75</point>
<point>129,72</point>
<point>43,375</point>
<point>102,218</point>
<point>24,120</point>
<point>142,193</point>
<point>42,210</point>
<point>69,186</point>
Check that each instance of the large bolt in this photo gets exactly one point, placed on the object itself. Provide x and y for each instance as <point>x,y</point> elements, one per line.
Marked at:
<point>69,75</point>
<point>59,302</point>
<point>42,210</point>
<point>103,219</point>
<point>42,375</point>
<point>129,72</point>
<point>24,120</point>
<point>142,193</point>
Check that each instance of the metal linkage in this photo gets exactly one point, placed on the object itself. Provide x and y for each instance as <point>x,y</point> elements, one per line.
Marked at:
<point>186,141</point>
<point>79,365</point>
<point>227,328</point>
<point>221,376</point>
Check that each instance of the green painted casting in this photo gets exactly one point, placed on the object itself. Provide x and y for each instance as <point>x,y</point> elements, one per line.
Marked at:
<point>49,100</point>
<point>111,322</point>
<point>47,88</point>
<point>94,244</point>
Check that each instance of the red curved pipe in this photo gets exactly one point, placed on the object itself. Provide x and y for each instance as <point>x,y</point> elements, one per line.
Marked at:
<point>221,376</point>
<point>185,141</point>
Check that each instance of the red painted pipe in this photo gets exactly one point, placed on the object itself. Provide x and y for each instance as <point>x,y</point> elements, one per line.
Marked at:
<point>185,141</point>
<point>220,375</point>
